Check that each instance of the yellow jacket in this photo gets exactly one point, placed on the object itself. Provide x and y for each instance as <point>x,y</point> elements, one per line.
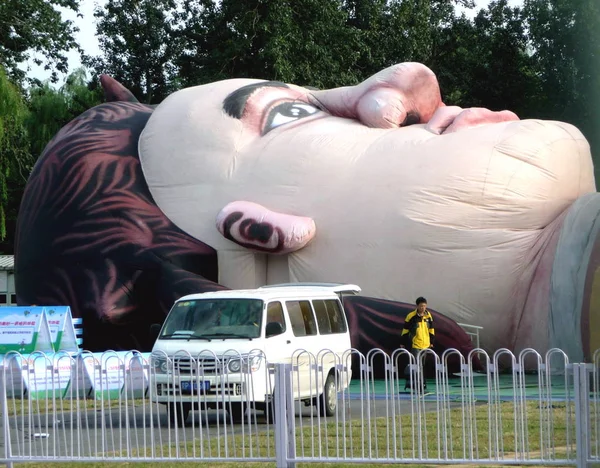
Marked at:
<point>420,330</point>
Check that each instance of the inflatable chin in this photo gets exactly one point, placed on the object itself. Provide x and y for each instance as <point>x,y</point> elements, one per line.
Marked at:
<point>241,183</point>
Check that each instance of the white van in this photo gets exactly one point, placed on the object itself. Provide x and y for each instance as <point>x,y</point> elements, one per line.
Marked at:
<point>214,349</point>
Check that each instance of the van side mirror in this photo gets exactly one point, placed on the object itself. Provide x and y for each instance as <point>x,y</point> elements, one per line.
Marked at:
<point>154,331</point>
<point>273,329</point>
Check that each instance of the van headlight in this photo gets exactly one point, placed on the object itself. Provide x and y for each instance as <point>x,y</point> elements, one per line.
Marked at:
<point>251,364</point>
<point>160,364</point>
<point>245,365</point>
<point>234,365</point>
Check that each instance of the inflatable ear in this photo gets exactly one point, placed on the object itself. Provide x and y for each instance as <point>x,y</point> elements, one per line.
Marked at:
<point>90,236</point>
<point>257,228</point>
<point>115,91</point>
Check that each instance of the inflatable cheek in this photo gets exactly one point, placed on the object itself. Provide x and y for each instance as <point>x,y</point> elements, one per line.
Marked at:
<point>197,140</point>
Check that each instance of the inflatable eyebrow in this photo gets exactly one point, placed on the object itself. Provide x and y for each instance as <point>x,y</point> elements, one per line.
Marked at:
<point>241,183</point>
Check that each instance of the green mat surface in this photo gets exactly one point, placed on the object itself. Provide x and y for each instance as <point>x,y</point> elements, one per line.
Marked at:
<point>530,387</point>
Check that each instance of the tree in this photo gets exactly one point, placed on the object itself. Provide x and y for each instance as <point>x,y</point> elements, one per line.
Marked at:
<point>29,30</point>
<point>15,160</point>
<point>369,18</point>
<point>35,27</point>
<point>396,31</point>
<point>566,43</point>
<point>305,42</point>
<point>138,46</point>
<point>486,63</point>
<point>50,109</point>
<point>26,126</point>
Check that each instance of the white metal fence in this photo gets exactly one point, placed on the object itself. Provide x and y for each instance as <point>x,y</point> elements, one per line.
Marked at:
<point>524,409</point>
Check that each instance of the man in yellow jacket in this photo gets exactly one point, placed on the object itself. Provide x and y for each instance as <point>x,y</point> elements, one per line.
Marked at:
<point>418,332</point>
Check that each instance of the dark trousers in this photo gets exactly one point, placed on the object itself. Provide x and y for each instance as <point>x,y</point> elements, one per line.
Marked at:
<point>408,384</point>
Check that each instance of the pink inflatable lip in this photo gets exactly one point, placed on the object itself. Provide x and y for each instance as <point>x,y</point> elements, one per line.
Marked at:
<point>450,119</point>
<point>255,227</point>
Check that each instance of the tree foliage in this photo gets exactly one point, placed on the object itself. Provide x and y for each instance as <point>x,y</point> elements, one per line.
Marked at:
<point>27,124</point>
<point>302,41</point>
<point>34,29</point>
<point>485,62</point>
<point>50,108</point>
<point>539,60</point>
<point>138,46</point>
<point>15,158</point>
<point>565,40</point>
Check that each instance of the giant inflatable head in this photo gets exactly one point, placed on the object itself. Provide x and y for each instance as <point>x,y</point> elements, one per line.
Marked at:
<point>378,184</point>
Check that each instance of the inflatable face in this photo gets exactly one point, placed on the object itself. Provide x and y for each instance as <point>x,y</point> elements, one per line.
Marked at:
<point>465,207</point>
<point>378,184</point>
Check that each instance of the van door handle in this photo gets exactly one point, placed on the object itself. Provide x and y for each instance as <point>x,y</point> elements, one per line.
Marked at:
<point>288,341</point>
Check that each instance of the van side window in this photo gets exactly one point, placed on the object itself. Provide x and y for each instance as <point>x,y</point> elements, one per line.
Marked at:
<point>302,318</point>
<point>275,314</point>
<point>322,317</point>
<point>329,317</point>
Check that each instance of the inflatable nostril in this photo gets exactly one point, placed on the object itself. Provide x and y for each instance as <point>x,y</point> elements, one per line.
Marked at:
<point>412,118</point>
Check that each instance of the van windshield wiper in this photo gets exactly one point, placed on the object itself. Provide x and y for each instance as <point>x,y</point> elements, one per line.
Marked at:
<point>224,336</point>
<point>184,336</point>
<point>198,337</point>
<point>174,336</point>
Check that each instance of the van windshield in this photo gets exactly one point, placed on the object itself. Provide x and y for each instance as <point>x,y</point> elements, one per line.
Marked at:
<point>214,318</point>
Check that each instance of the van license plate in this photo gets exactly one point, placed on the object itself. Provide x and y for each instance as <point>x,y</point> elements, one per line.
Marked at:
<point>195,387</point>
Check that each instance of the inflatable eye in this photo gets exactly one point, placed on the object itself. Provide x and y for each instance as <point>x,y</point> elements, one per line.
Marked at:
<point>288,112</point>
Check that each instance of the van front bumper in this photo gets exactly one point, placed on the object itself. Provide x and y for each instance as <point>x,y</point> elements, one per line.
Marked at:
<point>167,388</point>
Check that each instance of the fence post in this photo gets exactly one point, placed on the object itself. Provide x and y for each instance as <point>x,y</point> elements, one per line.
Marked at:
<point>582,413</point>
<point>5,420</point>
<point>285,437</point>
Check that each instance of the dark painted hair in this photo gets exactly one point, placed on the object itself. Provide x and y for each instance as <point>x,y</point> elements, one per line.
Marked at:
<point>91,236</point>
<point>421,300</point>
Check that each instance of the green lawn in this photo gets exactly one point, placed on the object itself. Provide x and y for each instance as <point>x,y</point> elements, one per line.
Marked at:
<point>18,407</point>
<point>470,435</point>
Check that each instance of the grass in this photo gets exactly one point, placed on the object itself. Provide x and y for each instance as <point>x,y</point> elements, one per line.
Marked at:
<point>237,465</point>
<point>223,465</point>
<point>537,432</point>
<point>23,407</point>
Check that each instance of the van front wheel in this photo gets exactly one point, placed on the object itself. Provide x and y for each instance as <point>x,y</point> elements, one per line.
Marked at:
<point>237,412</point>
<point>270,409</point>
<point>178,413</point>
<point>329,397</point>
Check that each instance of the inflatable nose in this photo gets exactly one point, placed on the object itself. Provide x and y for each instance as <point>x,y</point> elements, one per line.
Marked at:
<point>400,95</point>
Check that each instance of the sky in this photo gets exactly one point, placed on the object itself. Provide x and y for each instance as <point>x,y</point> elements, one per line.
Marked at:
<point>87,34</point>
